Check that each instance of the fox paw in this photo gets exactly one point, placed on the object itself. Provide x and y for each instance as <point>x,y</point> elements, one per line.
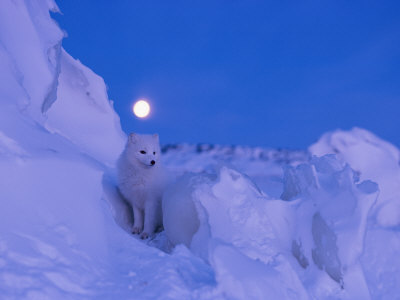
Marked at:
<point>136,230</point>
<point>144,235</point>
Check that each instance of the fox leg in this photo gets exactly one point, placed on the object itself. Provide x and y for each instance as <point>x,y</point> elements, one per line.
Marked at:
<point>137,220</point>
<point>151,215</point>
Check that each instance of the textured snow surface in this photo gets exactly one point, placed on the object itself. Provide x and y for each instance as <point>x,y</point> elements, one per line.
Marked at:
<point>377,160</point>
<point>240,223</point>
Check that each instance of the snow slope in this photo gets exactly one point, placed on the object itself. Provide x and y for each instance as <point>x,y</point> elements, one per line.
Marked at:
<point>58,135</point>
<point>241,223</point>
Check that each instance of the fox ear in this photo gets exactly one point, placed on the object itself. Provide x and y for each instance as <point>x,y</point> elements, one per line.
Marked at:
<point>133,137</point>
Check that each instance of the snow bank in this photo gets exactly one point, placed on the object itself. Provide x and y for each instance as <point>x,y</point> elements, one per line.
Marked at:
<point>58,136</point>
<point>31,77</point>
<point>43,86</point>
<point>83,114</point>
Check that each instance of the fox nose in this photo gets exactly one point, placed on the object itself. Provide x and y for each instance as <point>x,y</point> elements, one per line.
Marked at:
<point>152,162</point>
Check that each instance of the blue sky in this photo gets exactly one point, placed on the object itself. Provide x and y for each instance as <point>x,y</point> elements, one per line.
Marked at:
<point>259,73</point>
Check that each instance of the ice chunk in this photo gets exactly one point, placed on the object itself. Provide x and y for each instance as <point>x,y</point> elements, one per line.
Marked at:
<point>374,159</point>
<point>235,233</point>
<point>325,253</point>
<point>377,160</point>
<point>297,181</point>
<point>331,213</point>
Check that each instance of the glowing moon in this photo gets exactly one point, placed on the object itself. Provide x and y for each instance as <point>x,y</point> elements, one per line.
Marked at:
<point>141,109</point>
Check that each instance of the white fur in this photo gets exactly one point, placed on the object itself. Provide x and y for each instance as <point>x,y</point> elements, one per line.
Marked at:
<point>142,183</point>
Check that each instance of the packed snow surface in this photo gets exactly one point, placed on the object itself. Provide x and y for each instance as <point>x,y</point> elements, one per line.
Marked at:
<point>240,222</point>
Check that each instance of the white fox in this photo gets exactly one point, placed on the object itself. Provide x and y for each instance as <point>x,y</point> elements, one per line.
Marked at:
<point>141,180</point>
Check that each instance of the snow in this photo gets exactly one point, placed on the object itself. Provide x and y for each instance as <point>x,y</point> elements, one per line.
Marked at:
<point>374,159</point>
<point>240,222</point>
<point>80,90</point>
<point>58,238</point>
<point>323,226</point>
<point>377,160</point>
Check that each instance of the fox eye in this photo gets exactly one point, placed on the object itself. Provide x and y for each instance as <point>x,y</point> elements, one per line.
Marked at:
<point>154,153</point>
<point>143,152</point>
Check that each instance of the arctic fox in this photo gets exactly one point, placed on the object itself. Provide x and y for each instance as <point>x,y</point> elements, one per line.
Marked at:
<point>141,180</point>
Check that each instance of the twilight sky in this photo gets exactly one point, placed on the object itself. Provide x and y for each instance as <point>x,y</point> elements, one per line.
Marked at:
<point>259,73</point>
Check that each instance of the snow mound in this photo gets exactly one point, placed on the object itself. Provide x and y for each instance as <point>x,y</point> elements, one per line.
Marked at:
<point>227,224</point>
<point>374,159</point>
<point>225,219</point>
<point>330,223</point>
<point>377,160</point>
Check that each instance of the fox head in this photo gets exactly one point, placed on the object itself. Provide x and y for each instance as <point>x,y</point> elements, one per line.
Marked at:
<point>143,149</point>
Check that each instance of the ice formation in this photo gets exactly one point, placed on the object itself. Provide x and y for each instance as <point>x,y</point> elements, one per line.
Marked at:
<point>322,225</point>
<point>243,223</point>
<point>375,159</point>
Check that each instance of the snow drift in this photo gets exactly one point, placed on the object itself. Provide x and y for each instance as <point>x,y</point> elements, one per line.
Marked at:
<point>322,225</point>
<point>58,136</point>
<point>377,160</point>
<point>244,223</point>
<point>373,159</point>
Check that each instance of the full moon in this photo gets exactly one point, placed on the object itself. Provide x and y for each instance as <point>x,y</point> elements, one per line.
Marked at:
<point>141,109</point>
